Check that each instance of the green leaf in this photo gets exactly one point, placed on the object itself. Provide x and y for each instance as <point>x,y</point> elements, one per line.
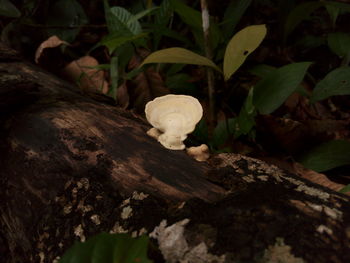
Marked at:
<point>114,73</point>
<point>160,31</point>
<point>179,55</point>
<point>108,248</point>
<point>180,84</point>
<point>345,189</point>
<point>111,24</point>
<point>240,46</point>
<point>339,43</point>
<point>333,12</point>
<point>304,10</point>
<point>163,14</point>
<point>124,21</point>
<point>298,14</point>
<point>142,14</point>
<point>272,91</point>
<point>8,9</point>
<point>193,18</point>
<point>69,14</point>
<point>233,14</point>
<point>189,16</point>
<point>112,42</point>
<point>342,6</point>
<point>337,82</point>
<point>310,42</point>
<point>327,156</point>
<point>246,117</point>
<point>262,70</point>
<point>222,132</point>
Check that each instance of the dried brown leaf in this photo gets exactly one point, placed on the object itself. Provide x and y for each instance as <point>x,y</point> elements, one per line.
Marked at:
<point>303,172</point>
<point>315,177</point>
<point>145,86</point>
<point>51,42</point>
<point>88,78</point>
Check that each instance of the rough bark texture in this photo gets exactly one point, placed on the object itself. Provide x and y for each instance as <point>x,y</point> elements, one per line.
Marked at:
<point>72,167</point>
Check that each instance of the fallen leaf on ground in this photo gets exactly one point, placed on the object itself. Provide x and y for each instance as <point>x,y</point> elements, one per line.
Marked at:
<point>146,86</point>
<point>299,169</point>
<point>51,42</point>
<point>88,78</point>
<point>315,177</point>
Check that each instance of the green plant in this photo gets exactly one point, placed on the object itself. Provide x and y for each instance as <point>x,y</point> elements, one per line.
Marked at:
<point>265,97</point>
<point>109,248</point>
<point>327,156</point>
<point>304,11</point>
<point>8,9</point>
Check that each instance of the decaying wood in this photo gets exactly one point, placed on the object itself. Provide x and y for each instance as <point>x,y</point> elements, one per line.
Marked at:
<point>72,167</point>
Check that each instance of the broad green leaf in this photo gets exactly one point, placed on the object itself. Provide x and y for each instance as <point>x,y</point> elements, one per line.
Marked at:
<point>8,9</point>
<point>67,14</point>
<point>246,117</point>
<point>233,14</point>
<point>345,189</point>
<point>193,18</point>
<point>310,42</point>
<point>163,14</point>
<point>160,31</point>
<point>272,91</point>
<point>110,20</point>
<point>342,6</point>
<point>189,16</point>
<point>327,156</point>
<point>222,132</point>
<point>180,84</point>
<point>160,24</point>
<point>114,41</point>
<point>337,82</point>
<point>339,43</point>
<point>240,46</point>
<point>123,21</point>
<point>298,14</point>
<point>142,14</point>
<point>262,70</point>
<point>109,248</point>
<point>333,12</point>
<point>303,11</point>
<point>179,55</point>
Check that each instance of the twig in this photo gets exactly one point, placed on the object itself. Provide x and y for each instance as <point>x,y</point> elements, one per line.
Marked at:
<point>210,73</point>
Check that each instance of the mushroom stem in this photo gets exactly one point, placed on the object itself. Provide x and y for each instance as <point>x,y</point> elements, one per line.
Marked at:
<point>171,141</point>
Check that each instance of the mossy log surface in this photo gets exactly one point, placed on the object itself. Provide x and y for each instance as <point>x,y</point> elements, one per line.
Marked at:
<point>73,166</point>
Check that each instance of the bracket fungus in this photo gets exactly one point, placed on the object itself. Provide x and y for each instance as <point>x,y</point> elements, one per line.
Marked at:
<point>199,153</point>
<point>174,116</point>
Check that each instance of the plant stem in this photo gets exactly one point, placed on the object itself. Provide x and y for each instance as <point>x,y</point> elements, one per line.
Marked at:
<point>210,73</point>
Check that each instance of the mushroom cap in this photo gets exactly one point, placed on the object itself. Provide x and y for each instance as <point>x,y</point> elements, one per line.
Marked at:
<point>200,153</point>
<point>174,114</point>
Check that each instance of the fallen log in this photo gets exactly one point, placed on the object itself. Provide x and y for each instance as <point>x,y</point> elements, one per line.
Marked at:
<point>72,166</point>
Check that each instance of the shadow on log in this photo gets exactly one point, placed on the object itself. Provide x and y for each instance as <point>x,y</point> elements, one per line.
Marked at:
<point>72,167</point>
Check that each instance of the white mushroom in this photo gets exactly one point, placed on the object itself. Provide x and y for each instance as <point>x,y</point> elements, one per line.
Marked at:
<point>174,116</point>
<point>154,133</point>
<point>200,153</point>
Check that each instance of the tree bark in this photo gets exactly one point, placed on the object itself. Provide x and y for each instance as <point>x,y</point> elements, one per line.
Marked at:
<point>72,167</point>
